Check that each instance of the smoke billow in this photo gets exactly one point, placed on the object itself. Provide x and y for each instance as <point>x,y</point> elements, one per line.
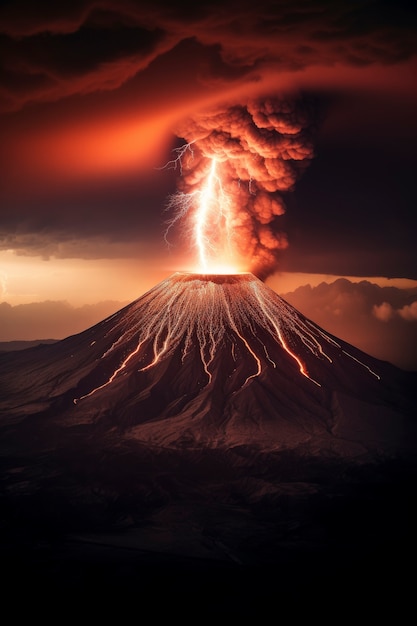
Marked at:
<point>262,148</point>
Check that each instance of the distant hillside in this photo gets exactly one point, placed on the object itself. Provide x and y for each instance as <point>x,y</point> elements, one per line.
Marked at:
<point>11,346</point>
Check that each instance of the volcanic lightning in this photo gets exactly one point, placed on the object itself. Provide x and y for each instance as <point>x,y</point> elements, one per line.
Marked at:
<point>235,166</point>
<point>201,220</point>
<point>210,225</point>
<point>223,317</point>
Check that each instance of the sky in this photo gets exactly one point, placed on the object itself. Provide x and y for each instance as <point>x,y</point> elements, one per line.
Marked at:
<point>96,96</point>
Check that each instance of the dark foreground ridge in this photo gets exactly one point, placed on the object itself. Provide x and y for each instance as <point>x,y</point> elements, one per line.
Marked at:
<point>208,442</point>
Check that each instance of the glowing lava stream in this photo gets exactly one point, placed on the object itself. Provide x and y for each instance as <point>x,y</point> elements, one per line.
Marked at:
<point>204,311</point>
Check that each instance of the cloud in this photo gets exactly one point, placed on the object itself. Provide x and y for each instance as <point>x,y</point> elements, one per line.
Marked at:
<point>50,319</point>
<point>381,321</point>
<point>115,217</point>
<point>52,52</point>
<point>386,312</point>
<point>92,89</point>
<point>88,57</point>
<point>259,150</point>
<point>409,312</point>
<point>61,244</point>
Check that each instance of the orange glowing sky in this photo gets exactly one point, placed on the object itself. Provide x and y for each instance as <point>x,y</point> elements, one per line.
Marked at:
<point>92,95</point>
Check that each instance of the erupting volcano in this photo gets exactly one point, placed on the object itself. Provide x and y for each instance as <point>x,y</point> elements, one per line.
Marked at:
<point>214,360</point>
<point>209,419</point>
<point>206,425</point>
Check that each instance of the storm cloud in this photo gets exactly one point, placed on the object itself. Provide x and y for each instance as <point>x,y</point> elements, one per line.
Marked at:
<point>382,321</point>
<point>94,94</point>
<point>53,51</point>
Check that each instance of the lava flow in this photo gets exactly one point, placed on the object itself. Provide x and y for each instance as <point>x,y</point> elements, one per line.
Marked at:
<point>215,312</point>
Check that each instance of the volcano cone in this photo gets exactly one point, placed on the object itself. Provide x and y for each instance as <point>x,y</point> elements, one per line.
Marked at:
<point>218,361</point>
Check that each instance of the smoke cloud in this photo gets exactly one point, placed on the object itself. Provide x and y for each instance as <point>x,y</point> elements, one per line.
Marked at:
<point>262,148</point>
<point>381,321</point>
<point>386,312</point>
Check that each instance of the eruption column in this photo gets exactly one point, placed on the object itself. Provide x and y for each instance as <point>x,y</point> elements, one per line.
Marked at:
<point>263,147</point>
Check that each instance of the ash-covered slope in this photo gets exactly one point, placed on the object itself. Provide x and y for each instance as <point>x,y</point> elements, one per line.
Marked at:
<point>217,361</point>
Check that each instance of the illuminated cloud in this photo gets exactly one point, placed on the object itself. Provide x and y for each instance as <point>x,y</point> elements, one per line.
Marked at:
<point>3,284</point>
<point>385,312</point>
<point>64,245</point>
<point>261,148</point>
<point>54,51</point>
<point>409,312</point>
<point>377,319</point>
<point>50,319</point>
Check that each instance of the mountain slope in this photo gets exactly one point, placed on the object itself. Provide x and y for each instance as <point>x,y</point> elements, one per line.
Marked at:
<point>214,360</point>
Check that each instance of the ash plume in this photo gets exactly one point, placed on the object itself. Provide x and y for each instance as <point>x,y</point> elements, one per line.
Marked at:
<point>262,147</point>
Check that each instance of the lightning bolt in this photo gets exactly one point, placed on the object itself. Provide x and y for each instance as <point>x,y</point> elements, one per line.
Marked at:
<point>181,152</point>
<point>210,225</point>
<point>201,218</point>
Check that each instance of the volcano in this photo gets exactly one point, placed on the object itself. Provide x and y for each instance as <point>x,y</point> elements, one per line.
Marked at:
<point>218,361</point>
<point>206,422</point>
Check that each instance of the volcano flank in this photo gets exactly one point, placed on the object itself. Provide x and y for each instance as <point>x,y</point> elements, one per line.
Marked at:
<point>203,422</point>
<point>213,360</point>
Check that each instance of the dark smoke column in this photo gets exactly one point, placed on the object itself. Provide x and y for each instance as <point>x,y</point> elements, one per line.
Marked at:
<point>262,148</point>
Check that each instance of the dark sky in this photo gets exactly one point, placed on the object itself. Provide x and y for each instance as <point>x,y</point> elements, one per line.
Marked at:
<point>92,92</point>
